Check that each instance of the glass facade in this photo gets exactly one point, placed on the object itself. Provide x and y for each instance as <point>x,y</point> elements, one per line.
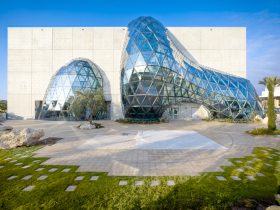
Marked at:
<point>79,75</point>
<point>156,75</point>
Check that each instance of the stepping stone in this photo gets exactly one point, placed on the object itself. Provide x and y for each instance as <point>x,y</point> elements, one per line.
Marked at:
<point>43,177</point>
<point>240,170</point>
<point>8,159</point>
<point>269,157</point>
<point>259,174</point>
<point>267,164</point>
<point>269,149</point>
<point>25,166</point>
<point>236,178</point>
<point>139,183</point>
<point>13,161</point>
<point>170,183</point>
<point>221,178</point>
<point>1,166</point>
<point>257,159</point>
<point>122,182</point>
<point>263,151</point>
<point>248,167</point>
<point>36,161</point>
<point>66,170</point>
<point>27,177</point>
<point>71,188</point>
<point>250,162</point>
<point>12,177</point>
<point>18,164</point>
<point>238,161</point>
<point>251,178</point>
<point>274,155</point>
<point>94,178</point>
<point>17,155</point>
<point>155,183</point>
<point>53,170</point>
<point>39,169</point>
<point>79,178</point>
<point>29,188</point>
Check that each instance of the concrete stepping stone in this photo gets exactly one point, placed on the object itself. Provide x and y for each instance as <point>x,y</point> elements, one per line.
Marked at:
<point>18,164</point>
<point>155,183</point>
<point>43,177</point>
<point>238,161</point>
<point>236,178</point>
<point>16,155</point>
<point>27,177</point>
<point>273,155</point>
<point>269,157</point>
<point>79,178</point>
<point>8,158</point>
<point>248,167</point>
<point>71,188</point>
<point>27,166</point>
<point>13,161</point>
<point>139,183</point>
<point>221,178</point>
<point>53,170</point>
<point>29,188</point>
<point>66,170</point>
<point>257,159</point>
<point>251,178</point>
<point>267,164</point>
<point>269,149</point>
<point>94,178</point>
<point>263,151</point>
<point>240,169</point>
<point>259,174</point>
<point>250,162</point>
<point>2,166</point>
<point>12,177</point>
<point>170,183</point>
<point>122,182</point>
<point>39,169</point>
<point>36,161</point>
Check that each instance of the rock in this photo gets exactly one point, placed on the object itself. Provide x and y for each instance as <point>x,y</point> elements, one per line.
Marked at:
<point>201,113</point>
<point>273,208</point>
<point>86,126</point>
<point>265,120</point>
<point>20,137</point>
<point>258,119</point>
<point>5,128</point>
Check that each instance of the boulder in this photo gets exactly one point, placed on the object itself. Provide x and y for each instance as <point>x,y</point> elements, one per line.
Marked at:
<point>86,126</point>
<point>258,119</point>
<point>5,128</point>
<point>20,137</point>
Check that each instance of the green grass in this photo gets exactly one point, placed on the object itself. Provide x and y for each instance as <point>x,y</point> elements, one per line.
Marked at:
<point>200,192</point>
<point>263,131</point>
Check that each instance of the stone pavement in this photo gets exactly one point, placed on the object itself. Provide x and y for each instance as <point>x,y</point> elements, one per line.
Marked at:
<point>109,149</point>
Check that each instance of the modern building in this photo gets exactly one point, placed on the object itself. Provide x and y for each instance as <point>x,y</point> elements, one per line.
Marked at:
<point>264,97</point>
<point>145,70</point>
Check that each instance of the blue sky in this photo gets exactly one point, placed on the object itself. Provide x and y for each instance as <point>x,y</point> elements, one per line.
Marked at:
<point>261,17</point>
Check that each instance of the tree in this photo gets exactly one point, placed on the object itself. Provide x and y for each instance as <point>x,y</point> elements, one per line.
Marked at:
<point>87,104</point>
<point>270,83</point>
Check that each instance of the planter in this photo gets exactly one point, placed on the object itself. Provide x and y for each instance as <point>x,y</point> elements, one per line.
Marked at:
<point>3,117</point>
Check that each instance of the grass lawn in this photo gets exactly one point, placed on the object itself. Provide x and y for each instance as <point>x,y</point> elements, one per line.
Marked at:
<point>200,192</point>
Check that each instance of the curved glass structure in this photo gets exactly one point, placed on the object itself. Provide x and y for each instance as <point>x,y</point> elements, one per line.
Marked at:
<point>157,74</point>
<point>78,75</point>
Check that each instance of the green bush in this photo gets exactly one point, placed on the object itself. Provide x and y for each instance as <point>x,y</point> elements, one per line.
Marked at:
<point>3,106</point>
<point>138,121</point>
<point>263,131</point>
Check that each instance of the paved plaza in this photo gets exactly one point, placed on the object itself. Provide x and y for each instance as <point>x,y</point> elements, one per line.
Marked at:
<point>167,149</point>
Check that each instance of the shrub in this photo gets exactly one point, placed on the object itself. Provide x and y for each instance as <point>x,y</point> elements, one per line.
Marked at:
<point>263,131</point>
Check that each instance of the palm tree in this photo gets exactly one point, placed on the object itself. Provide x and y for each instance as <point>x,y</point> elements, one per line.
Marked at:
<point>270,83</point>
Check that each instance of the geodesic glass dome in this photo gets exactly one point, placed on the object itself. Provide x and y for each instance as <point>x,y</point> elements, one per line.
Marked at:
<point>79,75</point>
<point>157,74</point>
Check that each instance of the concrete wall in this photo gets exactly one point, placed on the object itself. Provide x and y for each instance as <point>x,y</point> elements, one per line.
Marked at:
<point>35,54</point>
